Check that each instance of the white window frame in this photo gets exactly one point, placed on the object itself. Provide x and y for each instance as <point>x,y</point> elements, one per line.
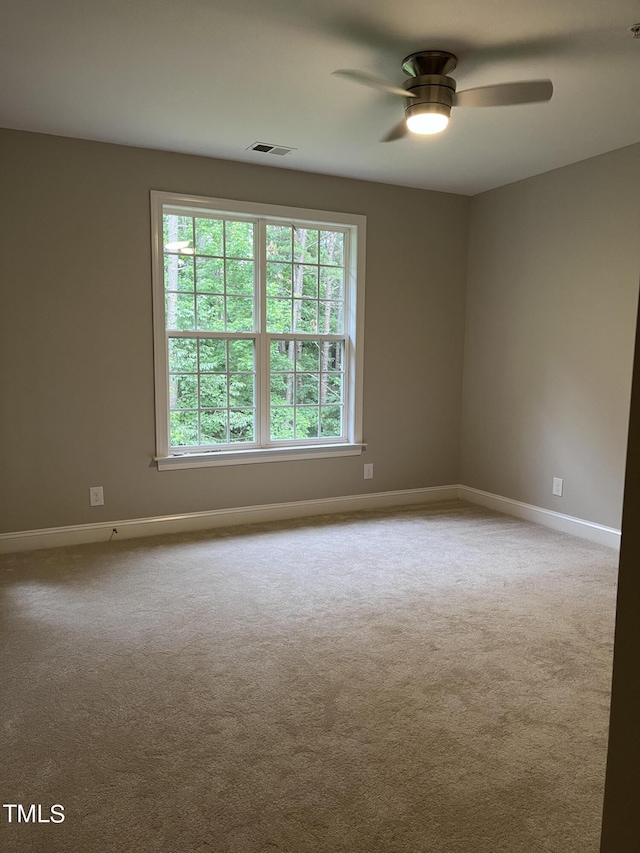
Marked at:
<point>354,226</point>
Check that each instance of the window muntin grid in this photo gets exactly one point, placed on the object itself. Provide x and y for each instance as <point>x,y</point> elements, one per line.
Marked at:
<point>209,274</point>
<point>219,280</point>
<point>212,384</point>
<point>305,274</point>
<point>306,389</point>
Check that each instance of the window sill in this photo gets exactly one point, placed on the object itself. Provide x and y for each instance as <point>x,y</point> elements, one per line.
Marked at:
<point>247,457</point>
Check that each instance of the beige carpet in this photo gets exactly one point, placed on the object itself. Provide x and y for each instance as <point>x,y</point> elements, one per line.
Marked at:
<point>432,679</point>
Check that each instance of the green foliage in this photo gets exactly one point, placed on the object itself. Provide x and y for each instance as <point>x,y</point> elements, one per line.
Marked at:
<point>332,248</point>
<point>281,423</point>
<point>280,358</point>
<point>209,236</point>
<point>238,239</point>
<point>279,319</point>
<point>213,355</point>
<point>331,421</point>
<point>241,355</point>
<point>177,228</point>
<point>183,429</point>
<point>214,427</point>
<point>239,314</point>
<point>331,283</point>
<point>209,275</point>
<point>307,388</point>
<point>213,391</point>
<point>241,425</point>
<point>239,277</point>
<point>210,313</point>
<point>178,272</point>
<point>180,311</point>
<point>183,355</point>
<point>279,243</point>
<point>279,280</point>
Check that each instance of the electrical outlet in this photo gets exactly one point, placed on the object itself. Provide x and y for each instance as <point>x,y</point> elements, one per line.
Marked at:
<point>557,486</point>
<point>96,495</point>
<point>368,471</point>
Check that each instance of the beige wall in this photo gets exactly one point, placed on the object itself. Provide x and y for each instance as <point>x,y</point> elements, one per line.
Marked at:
<point>551,312</point>
<point>552,281</point>
<point>76,358</point>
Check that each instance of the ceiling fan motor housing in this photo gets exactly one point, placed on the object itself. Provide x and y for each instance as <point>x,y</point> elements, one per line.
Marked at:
<point>429,93</point>
<point>431,89</point>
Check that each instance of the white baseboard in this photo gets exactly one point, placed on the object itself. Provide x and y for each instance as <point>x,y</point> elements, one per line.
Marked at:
<point>80,534</point>
<point>566,523</point>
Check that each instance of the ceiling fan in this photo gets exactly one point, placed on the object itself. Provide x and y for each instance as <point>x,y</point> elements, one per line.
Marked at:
<point>430,93</point>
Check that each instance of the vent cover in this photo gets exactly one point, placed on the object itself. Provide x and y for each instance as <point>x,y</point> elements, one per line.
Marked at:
<point>266,148</point>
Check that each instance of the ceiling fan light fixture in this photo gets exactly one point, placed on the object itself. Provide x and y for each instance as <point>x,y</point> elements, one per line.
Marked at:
<point>424,119</point>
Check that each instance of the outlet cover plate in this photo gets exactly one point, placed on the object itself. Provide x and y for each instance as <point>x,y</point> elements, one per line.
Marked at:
<point>557,486</point>
<point>96,495</point>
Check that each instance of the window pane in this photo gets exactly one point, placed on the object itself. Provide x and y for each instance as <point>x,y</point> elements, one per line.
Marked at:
<point>213,427</point>
<point>332,356</point>
<point>213,391</point>
<point>213,356</point>
<point>307,424</point>
<point>178,272</point>
<point>182,355</point>
<point>241,389</point>
<point>307,388</point>
<point>179,311</point>
<point>331,388</point>
<point>241,355</point>
<point>177,229</point>
<point>331,318</point>
<point>210,275</point>
<point>210,313</point>
<point>183,391</point>
<point>241,425</point>
<point>183,428</point>
<point>239,314</point>
<point>282,355</point>
<point>279,280</point>
<point>306,315</point>
<point>332,247</point>
<point>281,389</point>
<point>279,315</point>
<point>209,236</point>
<point>331,421</point>
<point>279,242</point>
<point>331,283</point>
<point>308,276</point>
<point>281,423</point>
<point>240,277</point>
<point>238,239</point>
<point>308,356</point>
<point>305,245</point>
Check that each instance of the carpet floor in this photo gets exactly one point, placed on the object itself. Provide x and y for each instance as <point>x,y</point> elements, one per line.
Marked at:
<point>429,679</point>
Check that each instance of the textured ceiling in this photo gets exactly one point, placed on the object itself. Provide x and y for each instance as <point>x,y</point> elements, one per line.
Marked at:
<point>211,77</point>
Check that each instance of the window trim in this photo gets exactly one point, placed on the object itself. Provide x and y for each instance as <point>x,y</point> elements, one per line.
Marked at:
<point>355,224</point>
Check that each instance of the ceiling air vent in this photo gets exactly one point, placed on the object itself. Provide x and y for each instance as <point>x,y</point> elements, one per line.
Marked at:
<point>265,148</point>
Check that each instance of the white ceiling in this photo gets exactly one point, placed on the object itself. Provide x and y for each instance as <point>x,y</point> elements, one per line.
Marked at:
<point>212,77</point>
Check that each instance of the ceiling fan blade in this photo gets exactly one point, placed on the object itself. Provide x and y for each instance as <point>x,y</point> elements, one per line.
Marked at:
<point>505,94</point>
<point>373,82</point>
<point>396,132</point>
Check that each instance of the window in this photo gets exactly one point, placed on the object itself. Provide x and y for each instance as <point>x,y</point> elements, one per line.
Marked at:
<point>258,331</point>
